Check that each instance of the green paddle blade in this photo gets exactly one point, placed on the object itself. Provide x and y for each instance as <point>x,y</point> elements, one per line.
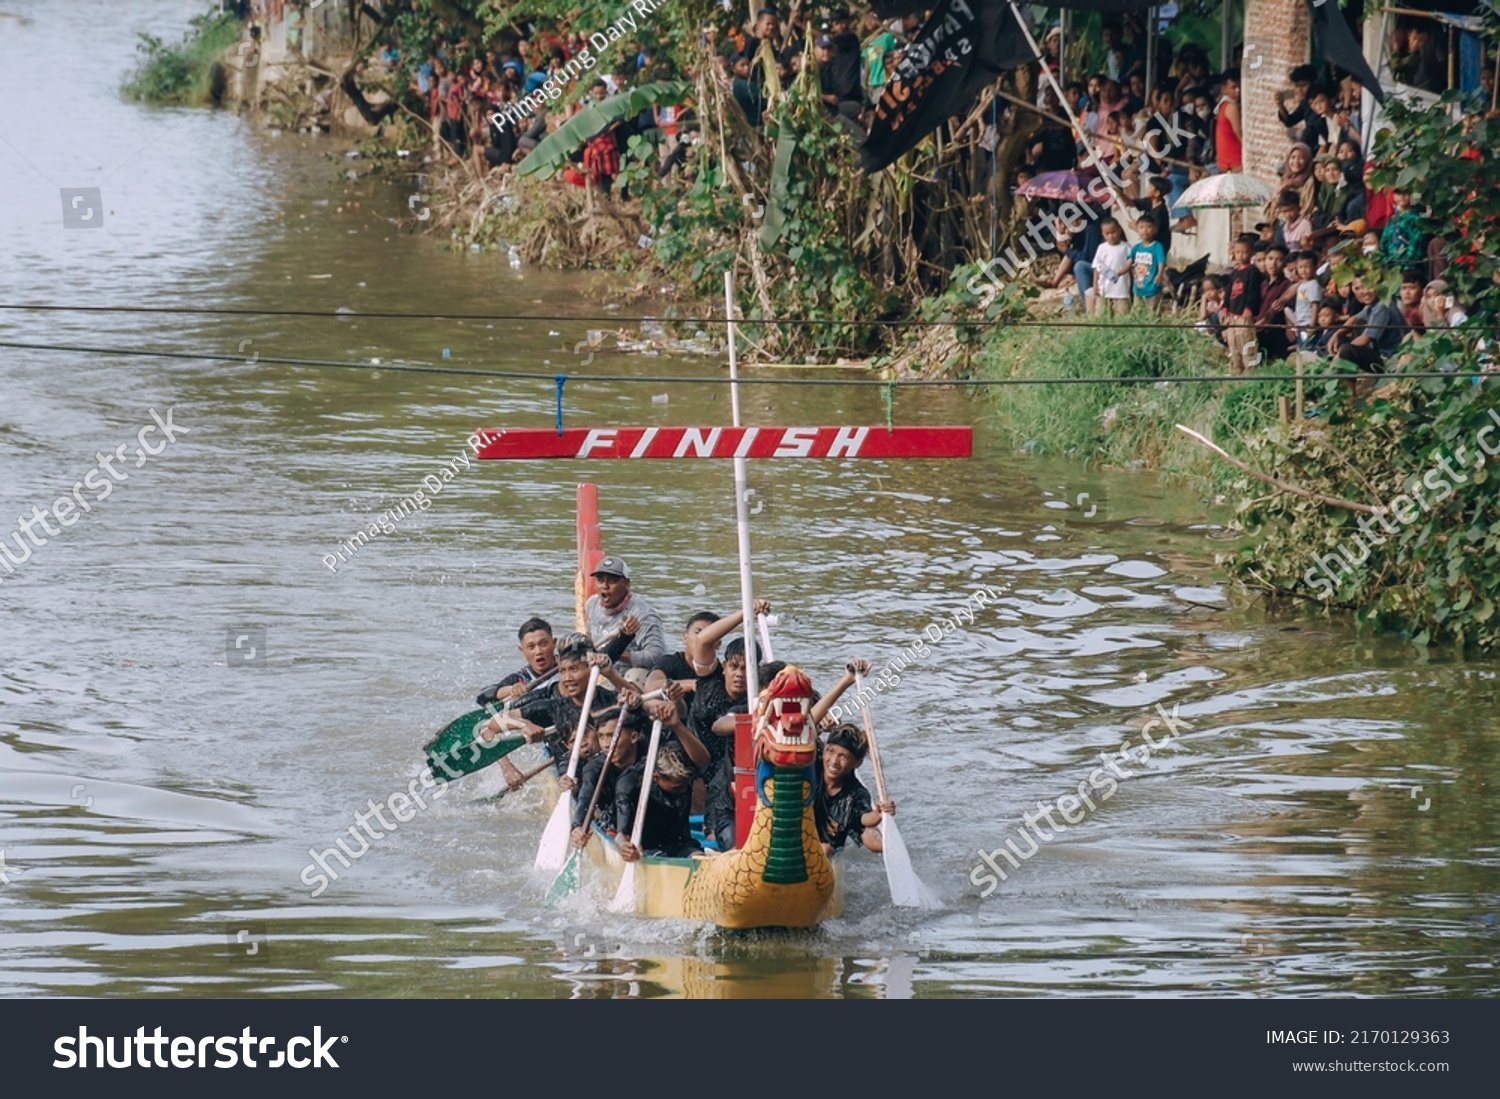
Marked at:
<point>458,751</point>
<point>566,882</point>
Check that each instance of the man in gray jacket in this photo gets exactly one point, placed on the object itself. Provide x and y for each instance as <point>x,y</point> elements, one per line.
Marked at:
<point>621,623</point>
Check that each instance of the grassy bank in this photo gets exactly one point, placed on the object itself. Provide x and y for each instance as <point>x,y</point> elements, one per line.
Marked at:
<point>182,74</point>
<point>1130,426</point>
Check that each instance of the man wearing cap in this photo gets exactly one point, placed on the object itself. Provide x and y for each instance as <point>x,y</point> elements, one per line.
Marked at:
<point>616,613</point>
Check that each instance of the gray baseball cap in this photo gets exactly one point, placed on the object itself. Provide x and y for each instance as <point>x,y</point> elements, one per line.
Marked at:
<point>613,566</point>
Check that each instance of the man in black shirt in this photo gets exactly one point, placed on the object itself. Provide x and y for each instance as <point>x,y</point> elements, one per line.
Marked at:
<point>604,771</point>
<point>667,830</point>
<point>841,804</point>
<point>540,650</point>
<point>561,704</point>
<point>720,695</point>
<point>700,651</point>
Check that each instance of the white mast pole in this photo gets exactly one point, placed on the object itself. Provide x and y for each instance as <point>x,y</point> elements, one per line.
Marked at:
<point>741,510</point>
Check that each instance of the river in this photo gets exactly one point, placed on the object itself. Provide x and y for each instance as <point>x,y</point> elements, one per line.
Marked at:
<point>1324,825</point>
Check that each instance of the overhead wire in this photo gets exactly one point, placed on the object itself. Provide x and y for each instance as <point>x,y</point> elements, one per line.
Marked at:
<point>551,377</point>
<point>351,315</point>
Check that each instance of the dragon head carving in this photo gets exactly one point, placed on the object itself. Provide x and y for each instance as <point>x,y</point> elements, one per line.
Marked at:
<point>786,736</point>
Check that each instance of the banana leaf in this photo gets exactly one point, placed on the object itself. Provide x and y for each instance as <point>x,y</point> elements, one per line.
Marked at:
<point>553,152</point>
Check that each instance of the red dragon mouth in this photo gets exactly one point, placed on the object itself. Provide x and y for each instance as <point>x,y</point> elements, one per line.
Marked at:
<point>784,717</point>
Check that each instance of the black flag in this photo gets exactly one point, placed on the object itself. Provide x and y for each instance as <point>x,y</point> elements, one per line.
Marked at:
<point>958,52</point>
<point>1334,41</point>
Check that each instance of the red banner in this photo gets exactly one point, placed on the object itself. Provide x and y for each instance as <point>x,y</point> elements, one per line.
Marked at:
<point>727,442</point>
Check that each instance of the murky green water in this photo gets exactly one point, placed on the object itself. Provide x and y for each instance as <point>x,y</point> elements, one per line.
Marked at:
<point>1326,826</point>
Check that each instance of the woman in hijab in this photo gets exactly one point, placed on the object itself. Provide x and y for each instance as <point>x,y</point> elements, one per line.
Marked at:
<point>1297,177</point>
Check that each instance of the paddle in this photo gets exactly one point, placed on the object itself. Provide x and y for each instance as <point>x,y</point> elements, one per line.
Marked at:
<point>907,890</point>
<point>526,777</point>
<point>445,752</point>
<point>566,881</point>
<point>625,895</point>
<point>764,621</point>
<point>553,850</point>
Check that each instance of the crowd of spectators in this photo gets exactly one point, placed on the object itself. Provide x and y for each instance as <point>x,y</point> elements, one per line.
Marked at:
<point>465,85</point>
<point>1279,298</point>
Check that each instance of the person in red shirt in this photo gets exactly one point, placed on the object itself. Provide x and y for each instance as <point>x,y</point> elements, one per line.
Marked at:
<point>1228,129</point>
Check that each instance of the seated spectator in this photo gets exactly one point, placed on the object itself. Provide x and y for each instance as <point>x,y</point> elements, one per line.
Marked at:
<point>840,86</point>
<point>1322,335</point>
<point>1292,227</point>
<point>1319,130</point>
<point>1401,243</point>
<point>1409,301</point>
<point>1372,335</point>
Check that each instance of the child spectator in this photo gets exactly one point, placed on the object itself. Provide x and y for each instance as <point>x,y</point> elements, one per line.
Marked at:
<point>1292,225</point>
<point>1148,265</point>
<point>1303,314</point>
<point>1301,78</point>
<point>1154,206</point>
<point>1328,324</point>
<point>1241,303</point>
<point>1277,293</point>
<point>1210,309</point>
<point>1112,269</point>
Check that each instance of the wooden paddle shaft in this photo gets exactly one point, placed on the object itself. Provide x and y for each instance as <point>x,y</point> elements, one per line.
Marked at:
<point>583,720</point>
<point>588,817</point>
<point>859,688</point>
<point>637,829</point>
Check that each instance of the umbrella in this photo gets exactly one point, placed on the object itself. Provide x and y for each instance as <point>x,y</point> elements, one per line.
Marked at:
<point>553,152</point>
<point>1229,189</point>
<point>1066,186</point>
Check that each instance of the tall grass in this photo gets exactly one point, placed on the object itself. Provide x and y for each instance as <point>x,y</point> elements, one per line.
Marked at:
<point>1132,425</point>
<point>182,74</point>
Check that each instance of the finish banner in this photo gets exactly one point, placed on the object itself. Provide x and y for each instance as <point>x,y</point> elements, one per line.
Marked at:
<point>727,442</point>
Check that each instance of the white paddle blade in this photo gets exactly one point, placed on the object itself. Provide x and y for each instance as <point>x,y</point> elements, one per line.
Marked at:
<point>625,896</point>
<point>907,890</point>
<point>552,852</point>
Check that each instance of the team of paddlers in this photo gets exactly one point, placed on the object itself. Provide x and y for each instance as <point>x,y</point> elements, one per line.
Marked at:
<point>695,693</point>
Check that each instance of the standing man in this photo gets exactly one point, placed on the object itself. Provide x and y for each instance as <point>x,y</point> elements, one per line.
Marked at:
<point>616,613</point>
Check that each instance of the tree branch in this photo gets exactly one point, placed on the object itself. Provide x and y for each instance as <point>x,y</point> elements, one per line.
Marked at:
<point>1284,486</point>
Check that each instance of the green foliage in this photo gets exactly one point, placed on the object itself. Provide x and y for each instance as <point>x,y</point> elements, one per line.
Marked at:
<point>181,74</point>
<point>1428,570</point>
<point>1123,425</point>
<point>1450,166</point>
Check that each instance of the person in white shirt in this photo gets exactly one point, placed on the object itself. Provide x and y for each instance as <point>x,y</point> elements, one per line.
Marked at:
<point>1111,270</point>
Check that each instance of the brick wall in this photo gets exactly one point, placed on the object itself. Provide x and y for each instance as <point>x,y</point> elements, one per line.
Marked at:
<point>1277,37</point>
